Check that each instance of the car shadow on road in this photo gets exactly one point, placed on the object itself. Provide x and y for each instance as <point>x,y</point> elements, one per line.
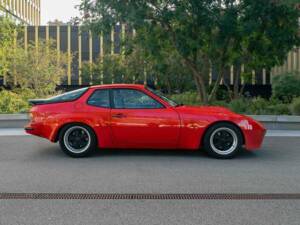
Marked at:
<point>55,152</point>
<point>162,153</point>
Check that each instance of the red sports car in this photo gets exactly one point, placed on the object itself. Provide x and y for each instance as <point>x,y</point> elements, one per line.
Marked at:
<point>135,116</point>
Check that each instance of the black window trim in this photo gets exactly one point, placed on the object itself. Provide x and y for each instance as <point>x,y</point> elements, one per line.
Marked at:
<point>113,103</point>
<point>49,101</point>
<point>109,98</point>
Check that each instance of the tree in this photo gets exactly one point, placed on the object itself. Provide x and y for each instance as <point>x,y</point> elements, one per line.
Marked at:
<point>207,33</point>
<point>7,29</point>
<point>37,69</point>
<point>137,66</point>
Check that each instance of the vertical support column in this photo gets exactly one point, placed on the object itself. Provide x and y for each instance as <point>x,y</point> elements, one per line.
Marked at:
<point>69,55</point>
<point>271,75</point>
<point>15,49</point>
<point>36,31</point>
<point>145,73</point>
<point>4,74</point>
<point>295,59</point>
<point>289,62</point>
<point>47,33</point>
<point>133,35</point>
<point>47,39</point>
<point>101,58</point>
<point>91,56</point>
<point>123,39</point>
<point>58,44</point>
<point>253,77</point>
<point>264,78</point>
<point>123,45</point>
<point>79,58</point>
<point>112,50</point>
<point>276,70</point>
<point>298,60</point>
<point>242,71</point>
<point>210,76</point>
<point>231,75</point>
<point>25,38</point>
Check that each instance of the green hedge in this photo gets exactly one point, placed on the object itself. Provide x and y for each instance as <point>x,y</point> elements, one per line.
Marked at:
<point>255,106</point>
<point>286,86</point>
<point>15,101</point>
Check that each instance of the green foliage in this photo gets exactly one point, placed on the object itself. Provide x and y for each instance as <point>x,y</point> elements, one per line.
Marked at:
<point>254,106</point>
<point>11,102</point>
<point>204,33</point>
<point>132,67</point>
<point>239,105</point>
<point>286,86</point>
<point>25,93</point>
<point>279,109</point>
<point>295,106</point>
<point>7,28</point>
<point>187,98</point>
<point>37,69</point>
<point>259,106</point>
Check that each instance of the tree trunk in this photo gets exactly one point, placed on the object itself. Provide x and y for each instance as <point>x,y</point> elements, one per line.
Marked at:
<point>200,83</point>
<point>213,93</point>
<point>168,83</point>
<point>236,86</point>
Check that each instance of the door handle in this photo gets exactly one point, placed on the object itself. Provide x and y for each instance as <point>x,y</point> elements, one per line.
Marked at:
<point>119,115</point>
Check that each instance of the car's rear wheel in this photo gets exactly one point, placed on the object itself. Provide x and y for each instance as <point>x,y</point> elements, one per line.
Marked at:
<point>77,140</point>
<point>223,140</point>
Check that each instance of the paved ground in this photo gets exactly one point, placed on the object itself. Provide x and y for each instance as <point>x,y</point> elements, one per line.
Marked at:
<point>30,164</point>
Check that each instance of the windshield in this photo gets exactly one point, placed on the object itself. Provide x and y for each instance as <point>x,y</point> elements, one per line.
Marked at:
<point>162,96</point>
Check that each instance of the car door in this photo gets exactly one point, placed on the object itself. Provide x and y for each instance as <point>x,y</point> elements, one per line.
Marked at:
<point>140,121</point>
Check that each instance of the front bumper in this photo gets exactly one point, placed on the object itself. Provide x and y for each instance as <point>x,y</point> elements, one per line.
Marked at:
<point>254,134</point>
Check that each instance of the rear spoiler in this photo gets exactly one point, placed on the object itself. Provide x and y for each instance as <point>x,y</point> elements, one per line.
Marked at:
<point>38,101</point>
<point>47,101</point>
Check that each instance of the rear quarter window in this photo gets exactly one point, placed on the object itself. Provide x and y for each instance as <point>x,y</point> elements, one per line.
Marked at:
<point>68,96</point>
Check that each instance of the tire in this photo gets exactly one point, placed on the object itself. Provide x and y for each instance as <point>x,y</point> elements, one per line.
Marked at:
<point>223,141</point>
<point>77,140</point>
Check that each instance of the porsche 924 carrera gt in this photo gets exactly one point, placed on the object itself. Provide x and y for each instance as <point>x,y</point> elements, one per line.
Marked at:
<point>137,117</point>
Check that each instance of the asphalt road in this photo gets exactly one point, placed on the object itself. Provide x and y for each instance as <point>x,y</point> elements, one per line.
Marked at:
<point>32,165</point>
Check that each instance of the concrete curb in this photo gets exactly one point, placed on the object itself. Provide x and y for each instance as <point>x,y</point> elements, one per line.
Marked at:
<point>270,121</point>
<point>13,120</point>
<point>273,122</point>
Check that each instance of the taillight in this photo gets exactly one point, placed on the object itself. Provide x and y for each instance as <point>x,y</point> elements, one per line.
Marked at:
<point>30,115</point>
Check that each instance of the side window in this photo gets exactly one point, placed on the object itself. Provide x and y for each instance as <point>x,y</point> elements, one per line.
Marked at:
<point>99,98</point>
<point>134,99</point>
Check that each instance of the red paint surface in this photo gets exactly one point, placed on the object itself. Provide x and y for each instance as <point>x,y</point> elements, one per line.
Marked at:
<point>168,128</point>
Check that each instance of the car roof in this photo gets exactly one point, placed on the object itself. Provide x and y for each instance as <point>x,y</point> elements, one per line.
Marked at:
<point>136,86</point>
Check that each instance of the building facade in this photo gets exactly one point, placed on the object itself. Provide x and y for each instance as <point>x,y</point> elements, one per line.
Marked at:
<point>83,46</point>
<point>22,11</point>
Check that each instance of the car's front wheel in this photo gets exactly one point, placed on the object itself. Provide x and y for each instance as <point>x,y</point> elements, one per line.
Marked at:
<point>77,140</point>
<point>223,140</point>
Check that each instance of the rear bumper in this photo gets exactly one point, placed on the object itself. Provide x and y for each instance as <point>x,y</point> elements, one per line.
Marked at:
<point>29,129</point>
<point>42,129</point>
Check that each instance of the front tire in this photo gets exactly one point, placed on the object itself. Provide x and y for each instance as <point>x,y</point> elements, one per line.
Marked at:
<point>77,140</point>
<point>223,141</point>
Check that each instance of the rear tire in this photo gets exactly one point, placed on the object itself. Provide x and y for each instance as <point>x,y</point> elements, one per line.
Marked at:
<point>223,141</point>
<point>77,140</point>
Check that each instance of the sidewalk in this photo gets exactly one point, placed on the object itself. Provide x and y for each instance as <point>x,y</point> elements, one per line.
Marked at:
<point>270,133</point>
